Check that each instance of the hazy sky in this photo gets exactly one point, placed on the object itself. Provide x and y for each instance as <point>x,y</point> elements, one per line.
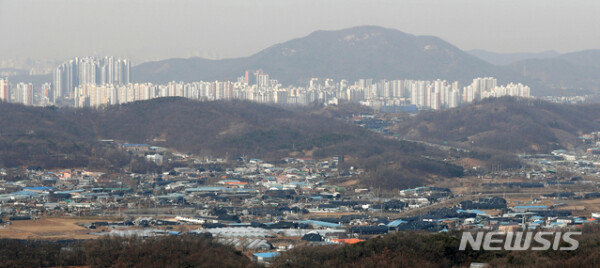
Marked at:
<point>229,28</point>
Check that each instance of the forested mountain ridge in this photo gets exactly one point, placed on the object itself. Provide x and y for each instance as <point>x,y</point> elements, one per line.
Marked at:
<point>507,124</point>
<point>64,137</point>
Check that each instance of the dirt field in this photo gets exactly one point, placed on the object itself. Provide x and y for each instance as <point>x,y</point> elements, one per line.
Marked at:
<point>47,229</point>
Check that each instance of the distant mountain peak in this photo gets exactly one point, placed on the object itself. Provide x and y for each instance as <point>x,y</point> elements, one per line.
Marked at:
<point>352,53</point>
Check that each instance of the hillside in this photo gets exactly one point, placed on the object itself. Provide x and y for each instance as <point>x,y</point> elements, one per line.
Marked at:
<point>506,124</point>
<point>566,74</point>
<point>414,249</point>
<point>107,251</point>
<point>69,137</point>
<point>398,249</point>
<point>561,76</point>
<point>353,53</point>
<point>508,58</point>
<point>590,58</point>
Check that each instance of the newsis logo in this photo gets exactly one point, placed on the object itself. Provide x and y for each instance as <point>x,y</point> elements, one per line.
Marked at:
<point>520,241</point>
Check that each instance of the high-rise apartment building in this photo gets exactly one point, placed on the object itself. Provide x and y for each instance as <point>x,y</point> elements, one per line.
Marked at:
<point>89,71</point>
<point>4,90</point>
<point>24,93</point>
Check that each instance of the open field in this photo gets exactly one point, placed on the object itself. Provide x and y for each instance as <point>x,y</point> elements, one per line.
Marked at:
<point>47,229</point>
<point>64,228</point>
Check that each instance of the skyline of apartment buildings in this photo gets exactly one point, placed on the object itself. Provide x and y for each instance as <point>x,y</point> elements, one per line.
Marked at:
<point>95,82</point>
<point>89,71</point>
<point>437,94</point>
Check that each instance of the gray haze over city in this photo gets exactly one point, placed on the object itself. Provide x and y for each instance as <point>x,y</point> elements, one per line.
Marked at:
<point>152,30</point>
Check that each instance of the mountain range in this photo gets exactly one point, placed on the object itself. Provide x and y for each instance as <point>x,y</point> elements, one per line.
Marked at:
<point>354,53</point>
<point>579,71</point>
<point>382,53</point>
<point>508,58</point>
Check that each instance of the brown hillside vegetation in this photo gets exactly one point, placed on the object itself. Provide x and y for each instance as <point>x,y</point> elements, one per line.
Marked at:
<point>401,249</point>
<point>184,251</point>
<point>51,137</point>
<point>506,124</point>
<point>413,249</point>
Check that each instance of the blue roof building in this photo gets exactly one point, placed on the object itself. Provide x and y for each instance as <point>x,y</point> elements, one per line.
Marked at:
<point>265,256</point>
<point>396,223</point>
<point>38,188</point>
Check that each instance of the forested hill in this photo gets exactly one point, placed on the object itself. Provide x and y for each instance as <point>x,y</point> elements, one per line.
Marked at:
<point>69,137</point>
<point>507,124</point>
